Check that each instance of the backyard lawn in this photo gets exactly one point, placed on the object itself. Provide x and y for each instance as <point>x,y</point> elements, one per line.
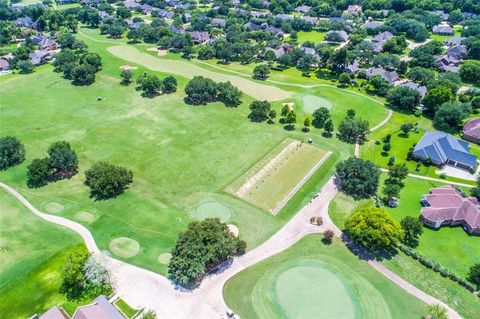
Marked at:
<point>314,280</point>
<point>452,247</point>
<point>31,258</point>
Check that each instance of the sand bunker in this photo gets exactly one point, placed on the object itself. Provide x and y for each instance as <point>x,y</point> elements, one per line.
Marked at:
<point>234,229</point>
<point>164,258</point>
<point>124,247</point>
<point>127,67</point>
<point>159,51</point>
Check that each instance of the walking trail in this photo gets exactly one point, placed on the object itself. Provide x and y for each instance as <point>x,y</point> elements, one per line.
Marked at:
<point>142,288</point>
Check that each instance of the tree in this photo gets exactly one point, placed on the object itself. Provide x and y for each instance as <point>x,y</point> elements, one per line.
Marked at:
<point>39,172</point>
<point>470,71</point>
<point>291,119</point>
<point>12,152</point>
<point>421,75</point>
<point>328,235</point>
<point>203,246</point>
<point>358,178</point>
<point>261,72</point>
<point>228,94</point>
<point>307,122</point>
<point>126,76</point>
<point>450,115</point>
<point>398,172</point>
<point>320,115</point>
<point>151,85</point>
<point>352,130</point>
<point>259,111</point>
<point>351,113</point>
<point>404,98</point>
<point>406,128</point>
<point>475,191</point>
<point>435,311</point>
<point>474,50</point>
<point>83,74</point>
<point>436,97</point>
<point>73,277</point>
<point>97,278</point>
<point>412,229</point>
<point>169,84</point>
<point>25,67</point>
<point>328,128</point>
<point>201,90</point>
<point>374,229</point>
<point>92,59</point>
<point>387,147</point>
<point>106,180</point>
<point>474,275</point>
<point>63,160</point>
<point>344,79</point>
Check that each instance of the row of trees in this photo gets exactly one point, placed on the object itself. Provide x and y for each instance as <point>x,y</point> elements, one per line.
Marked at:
<point>201,90</point>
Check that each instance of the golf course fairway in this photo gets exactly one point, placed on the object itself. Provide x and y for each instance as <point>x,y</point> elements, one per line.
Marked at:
<point>314,280</point>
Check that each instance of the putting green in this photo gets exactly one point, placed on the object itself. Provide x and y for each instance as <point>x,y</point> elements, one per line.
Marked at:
<point>85,217</point>
<point>53,208</point>
<point>212,209</point>
<point>313,280</point>
<point>311,102</point>
<point>326,297</point>
<point>164,258</point>
<point>124,247</point>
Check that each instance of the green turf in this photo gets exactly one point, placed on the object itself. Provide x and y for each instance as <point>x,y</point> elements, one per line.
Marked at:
<point>125,308</point>
<point>31,258</point>
<point>313,280</point>
<point>313,36</point>
<point>182,156</point>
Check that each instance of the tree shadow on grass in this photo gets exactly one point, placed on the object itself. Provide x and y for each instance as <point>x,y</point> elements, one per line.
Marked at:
<point>363,254</point>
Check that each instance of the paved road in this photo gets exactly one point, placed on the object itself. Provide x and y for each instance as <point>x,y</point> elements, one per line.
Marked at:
<point>142,288</point>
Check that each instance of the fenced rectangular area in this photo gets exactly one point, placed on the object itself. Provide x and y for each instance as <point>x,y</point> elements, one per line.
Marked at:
<point>273,180</point>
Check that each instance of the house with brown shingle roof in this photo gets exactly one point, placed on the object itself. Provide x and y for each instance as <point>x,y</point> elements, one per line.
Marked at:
<point>100,308</point>
<point>471,130</point>
<point>52,313</point>
<point>446,206</point>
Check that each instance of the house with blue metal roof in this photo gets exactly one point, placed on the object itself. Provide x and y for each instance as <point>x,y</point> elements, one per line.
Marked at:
<point>444,149</point>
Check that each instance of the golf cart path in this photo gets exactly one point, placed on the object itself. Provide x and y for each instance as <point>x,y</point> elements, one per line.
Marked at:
<point>433,179</point>
<point>142,288</point>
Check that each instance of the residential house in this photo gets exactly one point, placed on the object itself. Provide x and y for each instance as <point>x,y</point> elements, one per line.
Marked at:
<point>41,57</point>
<point>442,14</point>
<point>303,9</point>
<point>455,40</point>
<point>390,76</point>
<point>337,20</point>
<point>422,90</point>
<point>4,65</point>
<point>471,130</point>
<point>312,20</point>
<point>353,9</point>
<point>258,14</point>
<point>310,51</point>
<point>103,15</point>
<point>134,25</point>
<point>24,22</point>
<point>444,149</point>
<point>130,4</point>
<point>187,16</point>
<point>275,31</point>
<point>199,37</point>
<point>451,60</point>
<point>146,8</point>
<point>379,41</point>
<point>250,26</point>
<point>459,52</point>
<point>280,50</point>
<point>241,11</point>
<point>283,17</point>
<point>443,29</point>
<point>100,308</point>
<point>446,206</point>
<point>218,23</point>
<point>373,24</point>
<point>163,13</point>
<point>52,313</point>
<point>353,68</point>
<point>343,36</point>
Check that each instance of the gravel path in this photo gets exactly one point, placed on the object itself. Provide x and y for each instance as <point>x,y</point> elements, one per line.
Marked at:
<point>142,288</point>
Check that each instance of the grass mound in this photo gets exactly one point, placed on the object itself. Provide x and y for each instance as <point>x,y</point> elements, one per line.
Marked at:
<point>85,217</point>
<point>53,208</point>
<point>124,247</point>
<point>212,209</point>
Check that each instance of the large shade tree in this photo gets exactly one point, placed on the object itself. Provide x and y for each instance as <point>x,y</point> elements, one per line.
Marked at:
<point>106,180</point>
<point>12,152</point>
<point>358,178</point>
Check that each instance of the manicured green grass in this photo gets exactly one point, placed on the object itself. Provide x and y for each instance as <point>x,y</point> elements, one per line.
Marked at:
<point>182,156</point>
<point>125,308</point>
<point>372,150</point>
<point>267,183</point>
<point>460,299</point>
<point>313,36</point>
<point>452,247</point>
<point>314,280</point>
<point>31,259</point>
